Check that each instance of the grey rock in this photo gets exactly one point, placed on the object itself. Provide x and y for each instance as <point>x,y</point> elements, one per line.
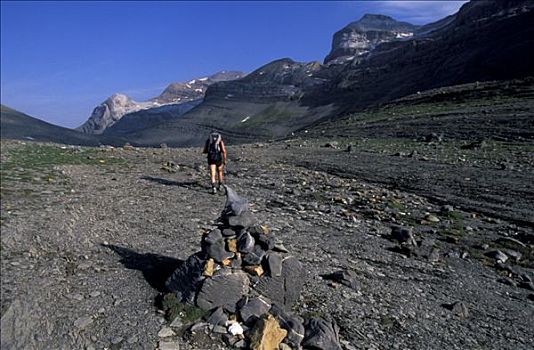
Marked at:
<point>285,289</point>
<point>403,235</point>
<point>218,317</point>
<point>214,246</point>
<point>117,340</point>
<point>168,345</point>
<point>244,220</point>
<point>497,255</point>
<point>166,332</point>
<point>223,290</point>
<point>346,277</point>
<point>513,254</point>
<point>255,257</point>
<point>235,205</point>
<point>227,232</point>
<point>279,247</point>
<point>199,326</point>
<point>186,279</point>
<point>177,323</point>
<point>219,329</point>
<point>245,242</point>
<point>253,308</point>
<point>274,264</point>
<point>213,236</point>
<point>83,322</point>
<point>266,241</point>
<point>293,324</point>
<point>321,334</point>
<point>460,309</point>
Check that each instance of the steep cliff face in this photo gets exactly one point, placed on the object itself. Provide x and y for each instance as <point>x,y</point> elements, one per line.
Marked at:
<point>362,36</point>
<point>110,111</point>
<point>118,105</point>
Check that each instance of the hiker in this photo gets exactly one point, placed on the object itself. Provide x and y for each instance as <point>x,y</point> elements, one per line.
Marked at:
<point>216,159</point>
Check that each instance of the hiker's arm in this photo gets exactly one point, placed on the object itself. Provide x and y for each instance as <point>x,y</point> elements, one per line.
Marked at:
<point>223,150</point>
<point>206,147</point>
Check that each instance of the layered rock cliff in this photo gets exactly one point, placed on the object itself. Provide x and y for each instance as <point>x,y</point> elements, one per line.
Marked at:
<point>362,36</point>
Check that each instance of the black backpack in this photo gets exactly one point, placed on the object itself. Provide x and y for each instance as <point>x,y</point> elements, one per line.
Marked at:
<point>214,148</point>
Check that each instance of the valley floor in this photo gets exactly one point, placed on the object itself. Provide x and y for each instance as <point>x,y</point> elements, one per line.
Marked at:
<point>89,236</point>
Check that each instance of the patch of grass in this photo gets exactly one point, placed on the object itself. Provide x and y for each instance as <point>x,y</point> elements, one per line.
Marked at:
<point>395,204</point>
<point>174,308</point>
<point>40,157</point>
<point>457,224</point>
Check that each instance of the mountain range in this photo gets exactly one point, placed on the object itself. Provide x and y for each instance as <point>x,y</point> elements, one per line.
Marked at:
<point>187,94</point>
<point>372,61</point>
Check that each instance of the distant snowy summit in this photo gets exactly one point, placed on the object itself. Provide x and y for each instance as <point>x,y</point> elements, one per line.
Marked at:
<point>116,106</point>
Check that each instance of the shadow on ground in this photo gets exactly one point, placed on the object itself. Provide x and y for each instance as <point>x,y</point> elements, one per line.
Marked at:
<point>155,268</point>
<point>167,182</point>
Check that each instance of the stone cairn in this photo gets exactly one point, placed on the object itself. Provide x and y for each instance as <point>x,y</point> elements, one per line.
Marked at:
<point>247,282</point>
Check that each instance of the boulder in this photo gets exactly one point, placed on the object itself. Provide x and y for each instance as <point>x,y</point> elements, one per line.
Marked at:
<point>293,324</point>
<point>243,220</point>
<point>321,334</point>
<point>234,205</point>
<point>255,257</point>
<point>345,277</point>
<point>218,317</point>
<point>224,289</point>
<point>214,246</point>
<point>185,279</point>
<point>274,264</point>
<point>403,235</point>
<point>253,308</point>
<point>285,289</point>
<point>245,242</point>
<point>497,255</point>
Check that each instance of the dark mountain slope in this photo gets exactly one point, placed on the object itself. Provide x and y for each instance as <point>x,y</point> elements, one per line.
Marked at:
<point>17,125</point>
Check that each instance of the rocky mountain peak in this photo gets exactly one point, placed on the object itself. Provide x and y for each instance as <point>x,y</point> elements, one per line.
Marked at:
<point>118,99</point>
<point>362,36</point>
<point>373,22</point>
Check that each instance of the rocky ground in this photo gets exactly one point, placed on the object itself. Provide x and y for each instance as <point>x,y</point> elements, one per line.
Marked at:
<point>89,236</point>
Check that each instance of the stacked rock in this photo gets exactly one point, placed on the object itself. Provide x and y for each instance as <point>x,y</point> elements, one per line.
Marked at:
<point>246,279</point>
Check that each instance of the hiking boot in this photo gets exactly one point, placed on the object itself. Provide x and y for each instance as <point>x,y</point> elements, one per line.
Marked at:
<point>214,190</point>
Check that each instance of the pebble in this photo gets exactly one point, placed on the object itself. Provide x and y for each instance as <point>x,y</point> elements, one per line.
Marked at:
<point>94,294</point>
<point>165,345</point>
<point>133,339</point>
<point>166,332</point>
<point>116,340</point>
<point>83,322</point>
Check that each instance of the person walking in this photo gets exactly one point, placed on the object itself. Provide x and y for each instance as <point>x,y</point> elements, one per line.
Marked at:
<point>216,151</point>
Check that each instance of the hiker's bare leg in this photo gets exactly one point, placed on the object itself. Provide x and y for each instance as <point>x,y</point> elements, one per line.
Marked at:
<point>220,172</point>
<point>213,173</point>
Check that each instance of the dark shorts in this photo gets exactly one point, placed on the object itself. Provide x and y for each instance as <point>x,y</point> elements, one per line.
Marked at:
<point>215,160</point>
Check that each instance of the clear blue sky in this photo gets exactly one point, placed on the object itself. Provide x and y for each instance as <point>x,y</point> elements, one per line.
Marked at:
<point>60,59</point>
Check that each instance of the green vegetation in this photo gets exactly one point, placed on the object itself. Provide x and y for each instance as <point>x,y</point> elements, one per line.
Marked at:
<point>456,228</point>
<point>174,308</point>
<point>27,169</point>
